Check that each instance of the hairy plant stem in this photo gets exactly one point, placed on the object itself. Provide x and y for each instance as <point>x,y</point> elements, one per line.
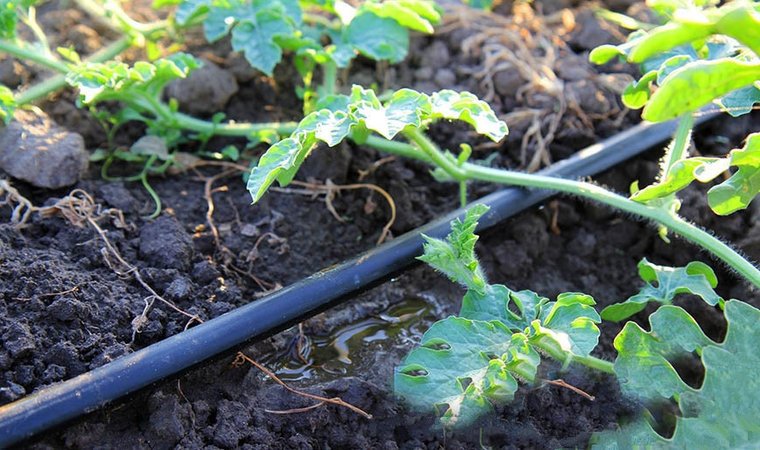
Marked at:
<point>677,150</point>
<point>690,232</point>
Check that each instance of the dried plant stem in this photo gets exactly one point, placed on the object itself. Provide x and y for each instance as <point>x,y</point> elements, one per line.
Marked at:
<point>242,358</point>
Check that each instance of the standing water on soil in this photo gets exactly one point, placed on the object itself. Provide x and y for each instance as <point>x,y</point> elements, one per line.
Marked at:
<point>341,353</point>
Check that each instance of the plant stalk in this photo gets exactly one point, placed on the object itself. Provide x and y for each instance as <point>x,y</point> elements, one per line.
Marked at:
<point>58,82</point>
<point>329,78</point>
<point>677,150</point>
<point>28,54</point>
<point>587,190</point>
<point>591,362</point>
<point>118,20</point>
<point>234,129</point>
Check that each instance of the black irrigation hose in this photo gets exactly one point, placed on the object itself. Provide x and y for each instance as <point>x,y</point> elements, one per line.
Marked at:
<point>85,393</point>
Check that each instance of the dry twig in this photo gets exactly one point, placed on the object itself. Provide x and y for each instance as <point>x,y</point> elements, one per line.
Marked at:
<point>242,358</point>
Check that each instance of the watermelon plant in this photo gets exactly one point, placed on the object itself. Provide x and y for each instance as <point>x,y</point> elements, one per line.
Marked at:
<point>261,30</point>
<point>709,44</point>
<point>466,365</point>
<point>469,363</point>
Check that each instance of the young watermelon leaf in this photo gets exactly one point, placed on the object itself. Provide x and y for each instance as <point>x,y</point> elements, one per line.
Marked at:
<point>567,326</point>
<point>462,367</point>
<point>114,80</point>
<point>355,116</point>
<point>663,284</point>
<point>721,413</point>
<point>467,364</point>
<point>283,159</point>
<point>697,84</point>
<point>729,196</point>
<point>455,256</point>
<point>743,186</point>
<point>464,106</point>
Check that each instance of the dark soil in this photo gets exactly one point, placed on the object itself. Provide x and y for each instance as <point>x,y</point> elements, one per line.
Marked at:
<point>64,310</point>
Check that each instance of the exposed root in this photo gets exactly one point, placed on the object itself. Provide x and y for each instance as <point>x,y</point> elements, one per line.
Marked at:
<point>225,253</point>
<point>22,208</point>
<point>50,294</point>
<point>375,165</point>
<point>80,210</point>
<point>531,45</point>
<point>330,190</point>
<point>242,358</point>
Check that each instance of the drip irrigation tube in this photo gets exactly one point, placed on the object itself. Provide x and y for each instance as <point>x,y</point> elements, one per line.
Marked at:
<point>85,393</point>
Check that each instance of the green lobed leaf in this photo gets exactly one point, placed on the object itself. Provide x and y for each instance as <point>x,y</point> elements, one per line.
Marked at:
<point>405,108</point>
<point>363,112</point>
<point>637,94</point>
<point>741,188</point>
<point>455,255</point>
<point>729,196</point>
<point>665,37</point>
<point>740,101</point>
<point>117,81</point>
<point>417,15</point>
<point>643,365</point>
<point>663,284</point>
<point>468,108</point>
<point>723,412</point>
<point>697,84</point>
<point>569,324</point>
<point>379,38</point>
<point>7,104</point>
<point>741,21</point>
<point>282,160</point>
<point>256,36</point>
<point>679,176</point>
<point>464,366</point>
<point>188,10</point>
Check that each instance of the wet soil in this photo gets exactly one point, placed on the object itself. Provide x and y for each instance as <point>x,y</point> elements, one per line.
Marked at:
<point>65,310</point>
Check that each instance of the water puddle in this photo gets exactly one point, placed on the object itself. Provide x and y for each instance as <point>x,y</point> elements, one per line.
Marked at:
<point>341,353</point>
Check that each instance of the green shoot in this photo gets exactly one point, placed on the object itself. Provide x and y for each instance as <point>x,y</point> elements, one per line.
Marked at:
<point>465,365</point>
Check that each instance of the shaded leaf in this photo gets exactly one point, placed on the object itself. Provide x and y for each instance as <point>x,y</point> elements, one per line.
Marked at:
<point>723,412</point>
<point>740,101</point>
<point>378,38</point>
<point>663,284</point>
<point>697,84</point>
